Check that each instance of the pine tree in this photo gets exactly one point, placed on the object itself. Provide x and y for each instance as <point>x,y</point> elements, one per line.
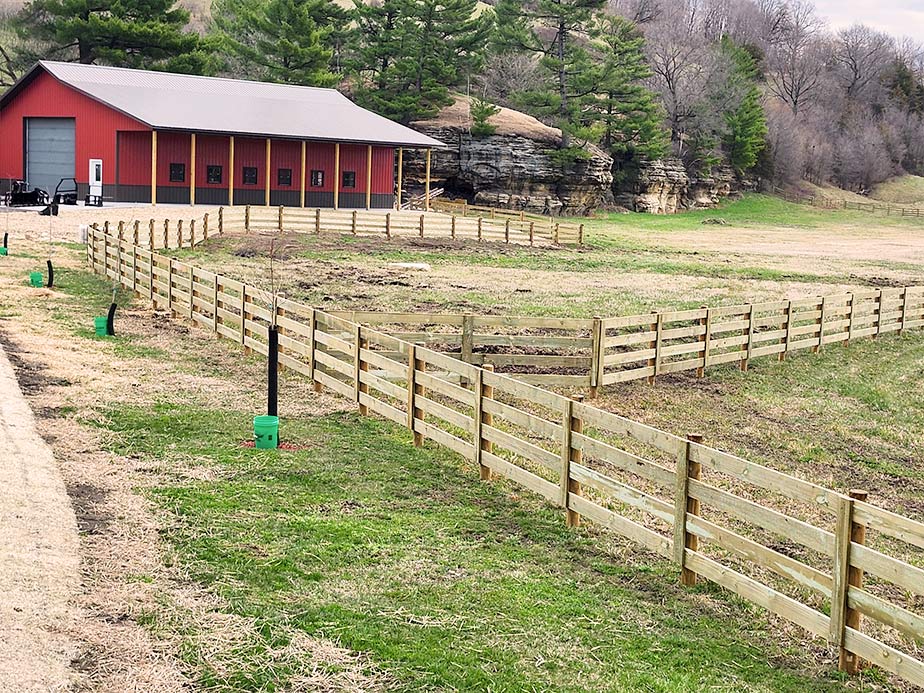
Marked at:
<point>526,26</point>
<point>286,41</point>
<point>127,33</point>
<point>631,120</point>
<point>410,53</point>
<point>746,135</point>
<point>481,111</point>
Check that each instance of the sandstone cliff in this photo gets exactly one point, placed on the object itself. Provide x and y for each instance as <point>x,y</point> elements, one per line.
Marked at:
<point>665,187</point>
<point>515,167</point>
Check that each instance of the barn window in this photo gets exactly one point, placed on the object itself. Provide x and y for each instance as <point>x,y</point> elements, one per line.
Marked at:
<point>250,175</point>
<point>284,177</point>
<point>177,173</point>
<point>317,179</point>
<point>213,174</point>
<point>349,179</point>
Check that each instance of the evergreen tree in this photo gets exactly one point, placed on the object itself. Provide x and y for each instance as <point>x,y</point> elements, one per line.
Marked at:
<point>631,120</point>
<point>410,53</point>
<point>746,135</point>
<point>286,41</point>
<point>526,26</point>
<point>126,33</point>
<point>481,111</point>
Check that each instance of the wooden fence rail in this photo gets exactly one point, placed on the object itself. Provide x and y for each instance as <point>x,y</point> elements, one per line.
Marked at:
<point>464,209</point>
<point>872,207</point>
<point>854,578</point>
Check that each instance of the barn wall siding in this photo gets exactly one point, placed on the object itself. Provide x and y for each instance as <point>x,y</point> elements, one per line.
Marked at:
<point>95,127</point>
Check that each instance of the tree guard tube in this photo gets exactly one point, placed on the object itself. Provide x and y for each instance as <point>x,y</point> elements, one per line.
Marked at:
<point>110,321</point>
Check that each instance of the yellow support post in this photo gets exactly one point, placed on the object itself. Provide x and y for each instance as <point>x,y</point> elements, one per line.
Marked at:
<point>231,171</point>
<point>427,183</point>
<point>153,167</point>
<point>267,191</point>
<point>304,159</point>
<point>336,175</point>
<point>400,176</point>
<point>369,176</point>
<point>192,169</point>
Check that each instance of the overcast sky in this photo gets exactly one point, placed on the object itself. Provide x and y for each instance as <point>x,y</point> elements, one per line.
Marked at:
<point>897,17</point>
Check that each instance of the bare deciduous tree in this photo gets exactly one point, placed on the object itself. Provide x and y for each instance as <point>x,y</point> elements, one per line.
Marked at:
<point>861,55</point>
<point>795,63</point>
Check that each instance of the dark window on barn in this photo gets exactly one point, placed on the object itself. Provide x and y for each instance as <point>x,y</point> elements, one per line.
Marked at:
<point>317,179</point>
<point>177,173</point>
<point>349,179</point>
<point>213,174</point>
<point>284,177</point>
<point>250,175</point>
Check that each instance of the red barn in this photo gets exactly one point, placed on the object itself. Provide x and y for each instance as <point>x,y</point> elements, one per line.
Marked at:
<point>174,138</point>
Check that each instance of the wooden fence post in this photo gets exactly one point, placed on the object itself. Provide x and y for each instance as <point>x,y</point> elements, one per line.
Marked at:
<point>353,228</point>
<point>749,331</point>
<point>479,228</point>
<point>243,311</point>
<point>706,323</point>
<point>487,419</point>
<point>166,234</point>
<point>507,231</point>
<point>452,230</point>
<point>281,223</point>
<point>847,532</point>
<point>415,390</point>
<point>192,233</point>
<point>151,235</point>
<point>421,225</point>
<point>136,228</point>
<point>901,328</point>
<point>151,277</point>
<point>468,338</point>
<point>388,225</point>
<point>221,220</point>
<point>317,221</point>
<point>569,485</point>
<point>359,387</point>
<point>205,226</point>
<point>556,233</point>
<point>787,340</point>
<point>170,285</point>
<point>215,290</point>
<point>192,292</point>
<point>581,234</point>
<point>683,505</point>
<point>179,234</point>
<point>877,311</point>
<point>247,218</point>
<point>312,350</point>
<point>851,305</point>
<point>596,356</point>
<point>655,361</point>
<point>821,325</point>
<point>532,232</point>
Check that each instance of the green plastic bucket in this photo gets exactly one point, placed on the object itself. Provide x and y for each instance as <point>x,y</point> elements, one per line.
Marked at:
<point>266,432</point>
<point>36,279</point>
<point>100,322</point>
<point>3,251</point>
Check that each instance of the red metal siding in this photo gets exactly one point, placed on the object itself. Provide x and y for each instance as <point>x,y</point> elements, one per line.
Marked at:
<point>172,148</point>
<point>383,171</point>
<point>134,158</point>
<point>285,154</point>
<point>96,127</point>
<point>249,152</point>
<point>213,150</point>
<point>353,158</point>
<point>320,157</point>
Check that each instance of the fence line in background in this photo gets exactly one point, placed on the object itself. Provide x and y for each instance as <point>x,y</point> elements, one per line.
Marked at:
<point>715,515</point>
<point>872,207</point>
<point>379,223</point>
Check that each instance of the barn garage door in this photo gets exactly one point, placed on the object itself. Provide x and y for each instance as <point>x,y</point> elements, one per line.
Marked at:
<point>49,151</point>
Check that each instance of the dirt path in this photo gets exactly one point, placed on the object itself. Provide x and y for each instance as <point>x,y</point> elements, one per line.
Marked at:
<point>39,563</point>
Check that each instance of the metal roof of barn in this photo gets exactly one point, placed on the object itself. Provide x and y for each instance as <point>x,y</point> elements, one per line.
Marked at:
<point>170,101</point>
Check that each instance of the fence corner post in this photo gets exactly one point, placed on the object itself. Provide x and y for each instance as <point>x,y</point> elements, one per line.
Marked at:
<point>684,505</point>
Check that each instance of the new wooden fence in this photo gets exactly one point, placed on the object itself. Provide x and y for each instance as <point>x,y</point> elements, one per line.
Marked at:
<point>873,207</point>
<point>557,228</point>
<point>378,223</point>
<point>838,566</point>
<point>574,352</point>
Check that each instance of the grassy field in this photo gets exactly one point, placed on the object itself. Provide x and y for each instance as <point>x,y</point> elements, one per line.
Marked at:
<point>357,562</point>
<point>907,190</point>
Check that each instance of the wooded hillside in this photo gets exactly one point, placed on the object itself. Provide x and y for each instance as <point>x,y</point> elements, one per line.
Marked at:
<point>762,85</point>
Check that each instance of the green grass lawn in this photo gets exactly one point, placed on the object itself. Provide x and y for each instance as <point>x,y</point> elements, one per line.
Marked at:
<point>446,583</point>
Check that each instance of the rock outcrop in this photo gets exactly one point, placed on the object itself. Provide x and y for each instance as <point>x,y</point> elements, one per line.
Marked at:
<point>516,167</point>
<point>665,187</point>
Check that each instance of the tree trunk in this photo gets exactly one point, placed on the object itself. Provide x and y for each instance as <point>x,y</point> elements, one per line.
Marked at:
<point>562,84</point>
